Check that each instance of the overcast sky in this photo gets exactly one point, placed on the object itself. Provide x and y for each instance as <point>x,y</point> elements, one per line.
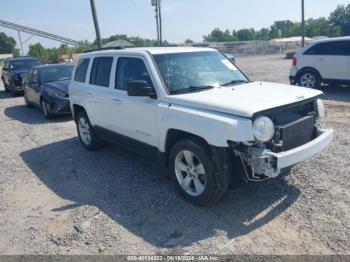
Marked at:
<point>182,18</point>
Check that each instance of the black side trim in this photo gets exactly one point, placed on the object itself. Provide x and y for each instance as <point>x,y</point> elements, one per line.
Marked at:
<point>127,143</point>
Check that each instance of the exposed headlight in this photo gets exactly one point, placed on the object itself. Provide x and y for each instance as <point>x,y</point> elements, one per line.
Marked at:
<point>55,93</point>
<point>263,129</point>
<point>320,108</point>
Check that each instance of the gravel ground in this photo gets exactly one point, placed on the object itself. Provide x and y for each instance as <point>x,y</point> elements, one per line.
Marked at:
<point>57,198</point>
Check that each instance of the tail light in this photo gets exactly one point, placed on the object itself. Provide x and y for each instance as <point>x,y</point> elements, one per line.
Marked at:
<point>295,61</point>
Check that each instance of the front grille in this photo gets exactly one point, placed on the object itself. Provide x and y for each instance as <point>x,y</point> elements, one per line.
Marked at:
<point>297,133</point>
<point>295,126</point>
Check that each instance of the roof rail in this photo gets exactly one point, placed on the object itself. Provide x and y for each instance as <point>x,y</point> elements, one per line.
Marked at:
<point>104,48</point>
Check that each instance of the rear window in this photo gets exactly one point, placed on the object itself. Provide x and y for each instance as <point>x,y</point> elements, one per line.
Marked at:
<point>336,48</point>
<point>101,71</point>
<point>80,72</point>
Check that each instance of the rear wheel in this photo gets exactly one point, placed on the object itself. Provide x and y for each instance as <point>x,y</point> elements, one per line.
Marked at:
<point>193,172</point>
<point>87,135</point>
<point>309,79</point>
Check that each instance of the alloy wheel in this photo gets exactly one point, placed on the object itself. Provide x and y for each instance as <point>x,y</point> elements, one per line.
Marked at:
<point>308,80</point>
<point>190,173</point>
<point>84,131</point>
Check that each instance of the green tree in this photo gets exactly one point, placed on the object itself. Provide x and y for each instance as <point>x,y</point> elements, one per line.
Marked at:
<point>340,20</point>
<point>318,27</point>
<point>189,41</point>
<point>246,34</point>
<point>37,50</point>
<point>219,36</point>
<point>7,44</point>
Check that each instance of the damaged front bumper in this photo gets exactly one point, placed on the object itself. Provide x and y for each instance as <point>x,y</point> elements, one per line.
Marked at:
<point>261,163</point>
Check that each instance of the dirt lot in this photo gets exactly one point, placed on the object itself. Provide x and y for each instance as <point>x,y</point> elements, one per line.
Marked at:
<point>57,198</point>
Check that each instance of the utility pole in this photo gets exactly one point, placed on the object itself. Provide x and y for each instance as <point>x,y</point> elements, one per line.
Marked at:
<point>156,4</point>
<point>302,23</point>
<point>97,27</point>
<point>160,24</point>
<point>20,41</point>
<point>157,23</point>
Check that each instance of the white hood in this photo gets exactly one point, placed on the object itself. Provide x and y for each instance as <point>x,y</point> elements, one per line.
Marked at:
<point>246,99</point>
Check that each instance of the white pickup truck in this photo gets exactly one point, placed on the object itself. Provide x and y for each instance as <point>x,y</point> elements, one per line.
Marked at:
<point>197,113</point>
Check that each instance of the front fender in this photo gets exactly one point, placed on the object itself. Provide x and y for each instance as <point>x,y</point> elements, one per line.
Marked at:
<point>215,128</point>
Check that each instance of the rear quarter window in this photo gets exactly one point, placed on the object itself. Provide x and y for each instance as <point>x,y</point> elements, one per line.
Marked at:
<point>101,71</point>
<point>82,67</point>
<point>335,48</point>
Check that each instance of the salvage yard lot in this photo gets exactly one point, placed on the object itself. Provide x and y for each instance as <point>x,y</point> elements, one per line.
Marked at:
<point>57,198</point>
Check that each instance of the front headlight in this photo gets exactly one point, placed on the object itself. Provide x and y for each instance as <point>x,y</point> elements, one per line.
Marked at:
<point>55,93</point>
<point>263,129</point>
<point>320,108</point>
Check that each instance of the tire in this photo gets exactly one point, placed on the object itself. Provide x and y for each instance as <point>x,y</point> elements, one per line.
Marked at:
<point>26,101</point>
<point>86,134</point>
<point>193,172</point>
<point>309,79</point>
<point>45,109</point>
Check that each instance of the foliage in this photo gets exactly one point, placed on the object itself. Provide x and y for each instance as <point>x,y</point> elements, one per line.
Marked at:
<point>189,41</point>
<point>137,41</point>
<point>338,24</point>
<point>7,44</point>
<point>51,55</point>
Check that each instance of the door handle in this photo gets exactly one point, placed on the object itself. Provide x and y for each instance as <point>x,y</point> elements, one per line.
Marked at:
<point>117,101</point>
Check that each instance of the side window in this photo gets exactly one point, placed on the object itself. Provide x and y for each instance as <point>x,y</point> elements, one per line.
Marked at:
<point>336,48</point>
<point>129,69</point>
<point>82,67</point>
<point>35,76</point>
<point>101,71</point>
<point>28,77</point>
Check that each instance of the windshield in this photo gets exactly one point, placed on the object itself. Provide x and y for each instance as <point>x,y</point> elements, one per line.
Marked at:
<point>24,64</point>
<point>193,71</point>
<point>57,73</point>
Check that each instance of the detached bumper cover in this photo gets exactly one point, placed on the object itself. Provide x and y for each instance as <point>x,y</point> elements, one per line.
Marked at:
<point>265,163</point>
<point>58,106</point>
<point>296,155</point>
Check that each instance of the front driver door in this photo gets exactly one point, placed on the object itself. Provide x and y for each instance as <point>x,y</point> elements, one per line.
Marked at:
<point>34,85</point>
<point>134,117</point>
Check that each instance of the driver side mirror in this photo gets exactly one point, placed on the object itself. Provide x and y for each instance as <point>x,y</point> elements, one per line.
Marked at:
<point>140,88</point>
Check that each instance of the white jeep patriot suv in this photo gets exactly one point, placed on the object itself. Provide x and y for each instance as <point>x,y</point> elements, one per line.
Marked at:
<point>195,111</point>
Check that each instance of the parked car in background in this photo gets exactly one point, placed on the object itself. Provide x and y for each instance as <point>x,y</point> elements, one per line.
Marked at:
<point>324,61</point>
<point>198,113</point>
<point>46,87</point>
<point>231,57</point>
<point>14,70</point>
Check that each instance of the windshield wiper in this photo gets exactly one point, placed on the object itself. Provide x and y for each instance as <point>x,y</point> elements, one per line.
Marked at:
<point>234,82</point>
<point>191,89</point>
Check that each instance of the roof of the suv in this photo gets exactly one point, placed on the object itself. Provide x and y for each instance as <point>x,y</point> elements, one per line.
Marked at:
<point>332,39</point>
<point>22,58</point>
<point>153,50</point>
<point>51,65</point>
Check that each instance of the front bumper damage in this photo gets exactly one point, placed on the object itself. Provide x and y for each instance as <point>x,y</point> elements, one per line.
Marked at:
<point>261,163</point>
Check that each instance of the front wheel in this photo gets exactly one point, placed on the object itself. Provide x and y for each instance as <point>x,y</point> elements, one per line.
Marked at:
<point>26,101</point>
<point>87,135</point>
<point>194,172</point>
<point>309,79</point>
<point>45,109</point>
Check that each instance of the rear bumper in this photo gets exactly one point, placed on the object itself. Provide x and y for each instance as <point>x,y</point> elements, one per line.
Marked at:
<point>292,80</point>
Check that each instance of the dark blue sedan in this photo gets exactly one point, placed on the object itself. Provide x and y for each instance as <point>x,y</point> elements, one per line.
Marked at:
<point>46,87</point>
